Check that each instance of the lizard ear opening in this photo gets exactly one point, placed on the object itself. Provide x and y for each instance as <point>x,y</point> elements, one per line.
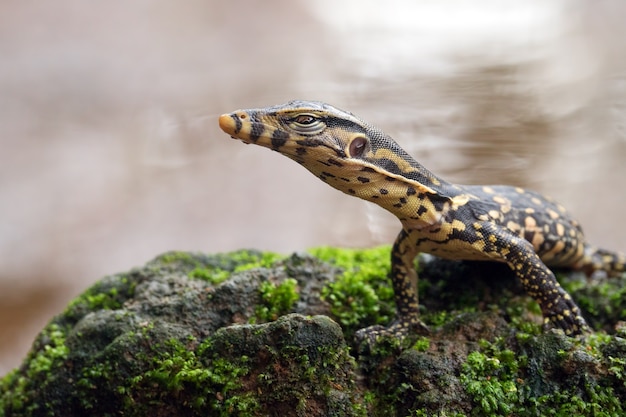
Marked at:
<point>357,147</point>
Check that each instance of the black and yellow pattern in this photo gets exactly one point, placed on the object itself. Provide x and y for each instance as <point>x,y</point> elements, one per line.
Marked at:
<point>521,228</point>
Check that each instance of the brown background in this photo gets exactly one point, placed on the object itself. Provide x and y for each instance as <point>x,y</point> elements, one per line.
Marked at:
<point>110,152</point>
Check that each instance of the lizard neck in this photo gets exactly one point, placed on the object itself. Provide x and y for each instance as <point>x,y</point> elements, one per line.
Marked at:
<point>401,186</point>
<point>421,204</point>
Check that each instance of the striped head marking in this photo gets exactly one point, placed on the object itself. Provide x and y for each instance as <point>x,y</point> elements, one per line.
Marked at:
<point>335,145</point>
<point>295,128</point>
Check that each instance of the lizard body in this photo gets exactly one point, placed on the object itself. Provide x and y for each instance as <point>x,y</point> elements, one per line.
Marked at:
<point>521,228</point>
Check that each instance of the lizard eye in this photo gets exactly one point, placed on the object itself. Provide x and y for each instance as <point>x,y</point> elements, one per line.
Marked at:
<point>304,119</point>
<point>357,147</point>
<point>306,123</point>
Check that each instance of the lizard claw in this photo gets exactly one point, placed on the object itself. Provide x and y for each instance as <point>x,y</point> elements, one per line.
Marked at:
<point>564,314</point>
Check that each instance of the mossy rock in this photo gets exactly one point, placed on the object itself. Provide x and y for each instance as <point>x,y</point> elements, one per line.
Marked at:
<point>253,334</point>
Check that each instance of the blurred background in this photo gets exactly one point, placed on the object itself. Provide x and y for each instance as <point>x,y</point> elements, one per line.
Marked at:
<point>110,152</point>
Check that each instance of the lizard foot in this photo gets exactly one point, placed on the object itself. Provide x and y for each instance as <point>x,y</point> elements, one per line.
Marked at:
<point>564,314</point>
<point>400,330</point>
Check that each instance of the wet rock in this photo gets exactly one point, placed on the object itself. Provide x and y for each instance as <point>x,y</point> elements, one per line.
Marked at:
<point>251,333</point>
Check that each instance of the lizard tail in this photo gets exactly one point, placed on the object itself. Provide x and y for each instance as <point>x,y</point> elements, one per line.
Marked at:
<point>596,259</point>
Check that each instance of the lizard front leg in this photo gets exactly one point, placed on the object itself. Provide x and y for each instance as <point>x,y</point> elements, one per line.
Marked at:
<point>558,307</point>
<point>404,280</point>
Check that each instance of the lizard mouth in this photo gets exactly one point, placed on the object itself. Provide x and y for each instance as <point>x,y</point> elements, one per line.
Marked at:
<point>228,123</point>
<point>238,126</point>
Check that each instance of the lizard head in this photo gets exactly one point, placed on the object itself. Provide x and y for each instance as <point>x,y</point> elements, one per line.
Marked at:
<point>333,144</point>
<point>297,127</point>
<point>314,132</point>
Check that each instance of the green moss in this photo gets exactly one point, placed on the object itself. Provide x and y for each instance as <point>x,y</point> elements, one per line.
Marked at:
<point>213,276</point>
<point>221,267</point>
<point>524,315</point>
<point>18,388</point>
<point>276,299</point>
<point>421,344</point>
<point>603,300</point>
<point>490,381</point>
<point>347,258</point>
<point>243,260</point>
<point>265,260</point>
<point>426,413</point>
<point>239,261</point>
<point>199,379</point>
<point>176,257</point>
<point>618,368</point>
<point>438,318</point>
<point>503,383</point>
<point>599,402</point>
<point>107,294</point>
<point>362,295</point>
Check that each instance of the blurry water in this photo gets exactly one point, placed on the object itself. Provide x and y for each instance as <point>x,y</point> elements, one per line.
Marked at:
<point>110,151</point>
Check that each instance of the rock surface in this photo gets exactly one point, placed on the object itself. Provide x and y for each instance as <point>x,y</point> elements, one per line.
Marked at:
<point>253,334</point>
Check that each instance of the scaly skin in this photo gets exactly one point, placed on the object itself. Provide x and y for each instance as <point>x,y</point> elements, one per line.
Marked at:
<point>523,229</point>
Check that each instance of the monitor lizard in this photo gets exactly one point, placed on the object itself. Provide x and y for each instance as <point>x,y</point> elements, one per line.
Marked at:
<point>521,228</point>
